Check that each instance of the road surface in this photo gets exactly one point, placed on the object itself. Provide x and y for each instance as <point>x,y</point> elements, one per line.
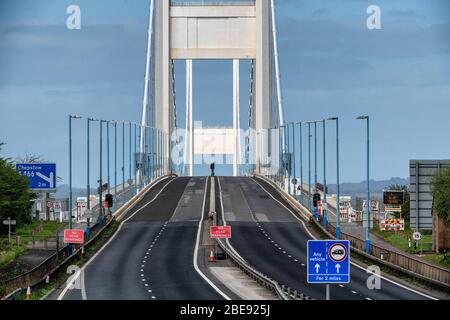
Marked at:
<point>151,257</point>
<point>269,238</point>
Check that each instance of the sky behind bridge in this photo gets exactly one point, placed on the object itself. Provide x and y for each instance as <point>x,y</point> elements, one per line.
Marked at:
<point>331,65</point>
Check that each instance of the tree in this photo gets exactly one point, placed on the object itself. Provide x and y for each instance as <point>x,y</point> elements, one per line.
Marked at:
<point>406,204</point>
<point>440,188</point>
<point>14,196</point>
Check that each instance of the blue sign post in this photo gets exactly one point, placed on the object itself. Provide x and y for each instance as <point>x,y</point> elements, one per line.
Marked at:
<point>328,261</point>
<point>41,176</point>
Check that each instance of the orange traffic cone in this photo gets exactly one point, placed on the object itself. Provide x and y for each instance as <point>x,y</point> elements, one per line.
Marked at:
<point>211,257</point>
<point>28,293</point>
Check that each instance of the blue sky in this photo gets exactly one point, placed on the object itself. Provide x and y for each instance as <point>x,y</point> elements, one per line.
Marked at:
<point>331,65</point>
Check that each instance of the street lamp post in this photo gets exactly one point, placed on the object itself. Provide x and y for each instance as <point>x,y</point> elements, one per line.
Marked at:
<point>140,158</point>
<point>293,159</point>
<point>88,187</point>
<point>338,209</point>
<point>129,166</point>
<point>107,157</point>
<point>123,163</point>
<point>301,159</point>
<point>315,156</point>
<point>288,151</point>
<point>309,170</point>
<point>324,203</point>
<point>100,191</point>
<point>115,166</point>
<point>283,154</point>
<point>367,118</point>
<point>135,163</point>
<point>70,175</point>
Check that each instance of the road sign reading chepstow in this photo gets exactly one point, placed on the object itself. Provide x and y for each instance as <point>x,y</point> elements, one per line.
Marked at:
<point>328,261</point>
<point>41,176</point>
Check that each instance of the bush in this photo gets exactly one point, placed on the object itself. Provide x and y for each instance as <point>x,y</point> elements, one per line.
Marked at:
<point>14,195</point>
<point>440,186</point>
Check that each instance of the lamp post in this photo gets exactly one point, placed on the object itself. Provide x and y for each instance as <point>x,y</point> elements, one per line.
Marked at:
<point>123,163</point>
<point>140,158</point>
<point>100,191</point>
<point>338,209</point>
<point>115,165</point>
<point>70,174</point>
<point>293,159</point>
<point>107,157</point>
<point>315,156</point>
<point>309,169</point>
<point>129,165</point>
<point>283,153</point>
<point>135,163</point>
<point>367,118</point>
<point>288,152</point>
<point>88,187</point>
<point>301,158</point>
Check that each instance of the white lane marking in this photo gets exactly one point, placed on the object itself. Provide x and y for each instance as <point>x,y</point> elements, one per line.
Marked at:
<point>352,263</point>
<point>83,288</point>
<point>225,222</point>
<point>197,243</point>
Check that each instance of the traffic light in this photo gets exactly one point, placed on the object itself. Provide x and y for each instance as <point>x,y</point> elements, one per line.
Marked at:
<point>316,200</point>
<point>110,200</point>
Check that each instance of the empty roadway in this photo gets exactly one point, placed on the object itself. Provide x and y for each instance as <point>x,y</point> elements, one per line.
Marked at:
<point>151,257</point>
<point>270,239</point>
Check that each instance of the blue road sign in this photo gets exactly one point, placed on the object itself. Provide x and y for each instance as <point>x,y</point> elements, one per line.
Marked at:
<point>41,176</point>
<point>328,261</point>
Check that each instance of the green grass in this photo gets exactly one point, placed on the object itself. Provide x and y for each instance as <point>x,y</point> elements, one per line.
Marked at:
<point>399,239</point>
<point>9,252</point>
<point>61,276</point>
<point>438,259</point>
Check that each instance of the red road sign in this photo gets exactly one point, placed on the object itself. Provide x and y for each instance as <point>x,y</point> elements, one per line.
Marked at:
<point>74,236</point>
<point>220,232</point>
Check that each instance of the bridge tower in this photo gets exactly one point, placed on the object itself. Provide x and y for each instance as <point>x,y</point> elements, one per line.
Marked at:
<point>226,31</point>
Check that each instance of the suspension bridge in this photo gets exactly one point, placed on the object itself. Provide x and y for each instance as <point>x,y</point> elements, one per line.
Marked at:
<point>162,249</point>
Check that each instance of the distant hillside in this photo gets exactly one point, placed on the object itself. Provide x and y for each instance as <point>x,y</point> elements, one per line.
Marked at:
<point>359,189</point>
<point>63,192</point>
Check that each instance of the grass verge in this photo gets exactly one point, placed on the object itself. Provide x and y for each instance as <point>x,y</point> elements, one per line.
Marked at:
<point>61,276</point>
<point>8,252</point>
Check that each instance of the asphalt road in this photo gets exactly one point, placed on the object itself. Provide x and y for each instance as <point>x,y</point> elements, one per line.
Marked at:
<point>269,238</point>
<point>151,257</point>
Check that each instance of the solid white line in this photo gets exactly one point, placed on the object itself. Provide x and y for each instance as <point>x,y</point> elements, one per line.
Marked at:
<point>353,263</point>
<point>197,243</point>
<point>83,290</point>
<point>225,222</point>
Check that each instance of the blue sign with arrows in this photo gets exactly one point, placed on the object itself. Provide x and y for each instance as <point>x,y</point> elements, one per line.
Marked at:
<point>41,176</point>
<point>328,261</point>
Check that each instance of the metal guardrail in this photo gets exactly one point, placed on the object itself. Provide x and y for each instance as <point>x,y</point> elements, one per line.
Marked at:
<point>283,292</point>
<point>404,263</point>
